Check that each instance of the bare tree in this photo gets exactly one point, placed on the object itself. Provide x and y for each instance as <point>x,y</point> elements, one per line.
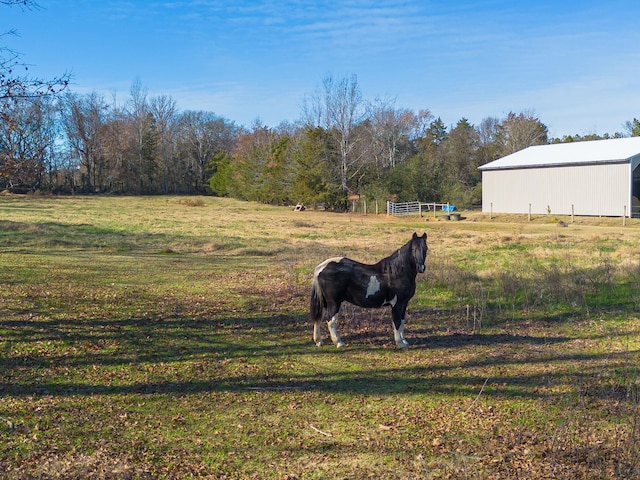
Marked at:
<point>14,85</point>
<point>144,137</point>
<point>521,131</point>
<point>202,136</point>
<point>15,89</point>
<point>117,146</point>
<point>490,145</point>
<point>488,130</point>
<point>391,132</point>
<point>21,3</point>
<point>338,108</point>
<point>26,145</point>
<point>164,111</point>
<point>83,118</point>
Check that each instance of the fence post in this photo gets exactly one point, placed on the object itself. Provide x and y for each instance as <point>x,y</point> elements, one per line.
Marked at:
<point>624,216</point>
<point>388,207</point>
<point>529,212</point>
<point>572,213</point>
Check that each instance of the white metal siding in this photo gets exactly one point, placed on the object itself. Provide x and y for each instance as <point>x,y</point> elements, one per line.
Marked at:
<point>601,189</point>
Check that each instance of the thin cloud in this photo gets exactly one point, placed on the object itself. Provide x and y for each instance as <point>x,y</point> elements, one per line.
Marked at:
<point>576,67</point>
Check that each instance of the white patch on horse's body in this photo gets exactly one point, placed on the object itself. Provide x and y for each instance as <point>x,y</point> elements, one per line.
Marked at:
<point>373,287</point>
<point>398,334</point>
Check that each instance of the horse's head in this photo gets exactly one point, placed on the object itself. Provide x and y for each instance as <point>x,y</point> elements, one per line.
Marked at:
<point>419,251</point>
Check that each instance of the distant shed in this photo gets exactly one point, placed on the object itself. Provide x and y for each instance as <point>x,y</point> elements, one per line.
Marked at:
<point>600,177</point>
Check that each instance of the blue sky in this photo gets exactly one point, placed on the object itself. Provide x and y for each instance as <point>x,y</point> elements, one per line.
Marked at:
<point>574,64</point>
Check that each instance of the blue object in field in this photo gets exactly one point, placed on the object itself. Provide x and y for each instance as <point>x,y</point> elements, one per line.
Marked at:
<point>448,208</point>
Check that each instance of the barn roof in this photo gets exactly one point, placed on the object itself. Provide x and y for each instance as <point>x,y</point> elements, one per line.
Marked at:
<point>615,150</point>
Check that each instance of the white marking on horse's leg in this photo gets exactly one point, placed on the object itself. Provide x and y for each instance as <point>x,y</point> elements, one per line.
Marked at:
<point>398,334</point>
<point>333,330</point>
<point>373,287</point>
<point>317,334</point>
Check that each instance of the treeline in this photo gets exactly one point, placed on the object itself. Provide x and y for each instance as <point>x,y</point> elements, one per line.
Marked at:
<point>341,146</point>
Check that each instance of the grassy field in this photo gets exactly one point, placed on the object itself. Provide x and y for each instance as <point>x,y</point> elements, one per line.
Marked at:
<point>167,337</point>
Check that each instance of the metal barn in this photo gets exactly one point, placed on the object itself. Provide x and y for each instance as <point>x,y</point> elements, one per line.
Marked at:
<point>600,177</point>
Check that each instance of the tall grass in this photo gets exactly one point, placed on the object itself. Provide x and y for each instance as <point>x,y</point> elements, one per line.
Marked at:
<point>523,286</point>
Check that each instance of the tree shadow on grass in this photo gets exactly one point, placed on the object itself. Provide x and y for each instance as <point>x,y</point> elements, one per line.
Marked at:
<point>78,342</point>
<point>373,382</point>
<point>106,342</point>
<point>211,352</point>
<point>55,235</point>
<point>210,356</point>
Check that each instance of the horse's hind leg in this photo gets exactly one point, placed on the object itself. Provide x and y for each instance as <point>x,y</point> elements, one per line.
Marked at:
<point>317,334</point>
<point>333,330</point>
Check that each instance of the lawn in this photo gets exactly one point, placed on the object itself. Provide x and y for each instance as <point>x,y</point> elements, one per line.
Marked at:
<point>167,337</point>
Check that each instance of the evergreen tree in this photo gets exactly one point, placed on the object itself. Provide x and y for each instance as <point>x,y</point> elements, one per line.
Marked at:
<point>634,127</point>
<point>313,180</point>
<point>219,173</point>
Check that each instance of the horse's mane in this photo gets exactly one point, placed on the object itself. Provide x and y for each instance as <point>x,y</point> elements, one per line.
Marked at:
<point>399,261</point>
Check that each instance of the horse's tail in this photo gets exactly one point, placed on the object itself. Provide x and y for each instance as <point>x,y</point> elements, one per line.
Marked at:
<point>317,301</point>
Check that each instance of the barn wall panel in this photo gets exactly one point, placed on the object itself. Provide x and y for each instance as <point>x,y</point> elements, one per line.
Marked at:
<point>591,189</point>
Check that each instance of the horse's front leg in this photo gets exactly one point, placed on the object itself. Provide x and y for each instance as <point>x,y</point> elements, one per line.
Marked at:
<point>317,334</point>
<point>333,330</point>
<point>398,312</point>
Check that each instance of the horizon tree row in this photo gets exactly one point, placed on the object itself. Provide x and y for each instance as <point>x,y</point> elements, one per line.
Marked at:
<point>55,140</point>
<point>341,146</point>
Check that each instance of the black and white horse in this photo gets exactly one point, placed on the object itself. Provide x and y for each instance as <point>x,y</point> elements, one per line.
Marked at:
<point>390,282</point>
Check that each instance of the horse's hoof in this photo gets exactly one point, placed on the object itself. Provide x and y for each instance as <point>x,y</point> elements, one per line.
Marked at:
<point>339,344</point>
<point>318,344</point>
<point>403,344</point>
